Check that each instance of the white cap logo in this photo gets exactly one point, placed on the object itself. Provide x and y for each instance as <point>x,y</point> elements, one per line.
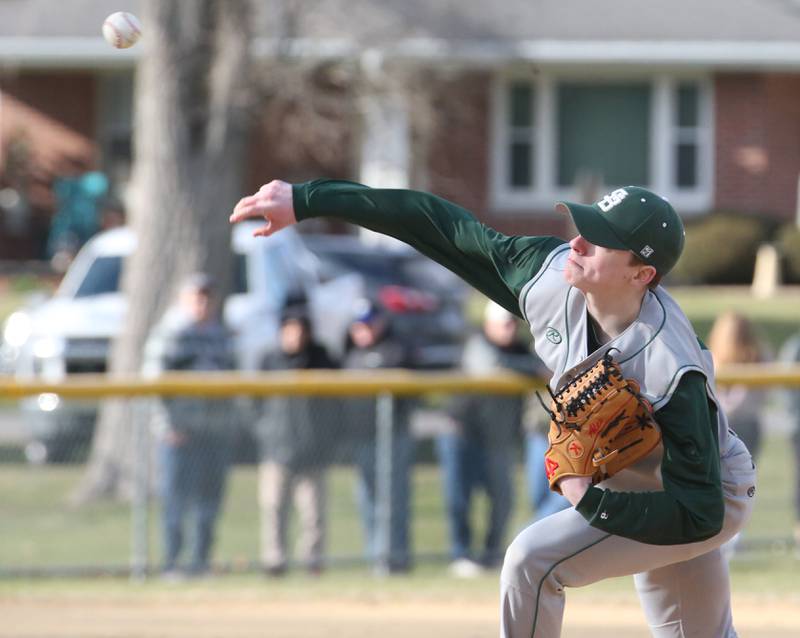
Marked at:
<point>612,199</point>
<point>646,251</point>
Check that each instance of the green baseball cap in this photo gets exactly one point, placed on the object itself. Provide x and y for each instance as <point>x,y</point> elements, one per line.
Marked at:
<point>635,219</point>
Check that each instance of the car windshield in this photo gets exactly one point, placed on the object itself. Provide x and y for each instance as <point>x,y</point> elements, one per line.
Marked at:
<point>103,276</point>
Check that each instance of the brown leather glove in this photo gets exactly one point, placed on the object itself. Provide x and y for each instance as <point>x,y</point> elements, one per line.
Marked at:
<point>599,425</point>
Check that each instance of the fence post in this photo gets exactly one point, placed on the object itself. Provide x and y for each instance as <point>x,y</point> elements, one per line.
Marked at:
<point>140,503</point>
<point>383,481</point>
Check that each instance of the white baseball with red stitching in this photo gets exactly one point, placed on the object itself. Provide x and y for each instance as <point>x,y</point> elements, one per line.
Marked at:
<point>122,29</point>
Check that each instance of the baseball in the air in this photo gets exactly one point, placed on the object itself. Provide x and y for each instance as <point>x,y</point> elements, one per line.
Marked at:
<point>122,29</point>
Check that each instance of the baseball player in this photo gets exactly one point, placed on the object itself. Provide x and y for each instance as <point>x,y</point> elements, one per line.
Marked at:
<point>662,519</point>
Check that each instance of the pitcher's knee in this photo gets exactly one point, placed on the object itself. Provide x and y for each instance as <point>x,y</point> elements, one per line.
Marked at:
<point>520,565</point>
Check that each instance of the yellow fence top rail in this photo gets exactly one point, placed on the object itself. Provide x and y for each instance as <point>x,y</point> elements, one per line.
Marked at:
<point>289,383</point>
<point>333,383</point>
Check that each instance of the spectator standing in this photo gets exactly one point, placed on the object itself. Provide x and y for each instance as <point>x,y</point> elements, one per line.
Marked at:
<point>294,440</point>
<point>790,353</point>
<point>479,451</point>
<point>733,340</point>
<point>371,345</point>
<point>197,438</point>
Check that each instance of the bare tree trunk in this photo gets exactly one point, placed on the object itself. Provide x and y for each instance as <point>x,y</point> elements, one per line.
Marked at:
<point>191,125</point>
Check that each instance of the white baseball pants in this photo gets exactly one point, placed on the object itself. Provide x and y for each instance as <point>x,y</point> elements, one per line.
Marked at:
<point>684,589</point>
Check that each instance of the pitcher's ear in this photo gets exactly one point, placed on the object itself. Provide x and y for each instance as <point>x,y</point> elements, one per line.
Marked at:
<point>646,274</point>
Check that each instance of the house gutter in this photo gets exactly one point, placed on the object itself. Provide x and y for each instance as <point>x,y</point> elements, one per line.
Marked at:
<point>93,52</point>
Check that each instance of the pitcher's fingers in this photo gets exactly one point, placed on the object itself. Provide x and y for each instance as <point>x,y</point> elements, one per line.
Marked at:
<point>244,200</point>
<point>243,204</point>
<point>238,210</point>
<point>264,231</point>
<point>246,212</point>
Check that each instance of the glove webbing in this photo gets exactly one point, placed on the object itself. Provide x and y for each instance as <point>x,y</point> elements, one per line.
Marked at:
<point>577,403</point>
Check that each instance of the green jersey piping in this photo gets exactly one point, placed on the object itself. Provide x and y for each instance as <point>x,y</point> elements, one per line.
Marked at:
<point>676,379</point>
<point>566,317</point>
<point>663,322</point>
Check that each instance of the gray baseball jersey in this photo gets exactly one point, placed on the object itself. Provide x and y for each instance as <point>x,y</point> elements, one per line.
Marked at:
<point>663,520</point>
<point>679,585</point>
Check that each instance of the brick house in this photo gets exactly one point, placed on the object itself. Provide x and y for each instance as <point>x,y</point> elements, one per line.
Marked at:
<point>526,103</point>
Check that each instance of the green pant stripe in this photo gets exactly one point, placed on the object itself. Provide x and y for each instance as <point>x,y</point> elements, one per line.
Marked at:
<point>547,573</point>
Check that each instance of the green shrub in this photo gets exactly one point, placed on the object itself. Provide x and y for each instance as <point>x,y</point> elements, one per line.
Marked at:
<point>721,249</point>
<point>789,246</point>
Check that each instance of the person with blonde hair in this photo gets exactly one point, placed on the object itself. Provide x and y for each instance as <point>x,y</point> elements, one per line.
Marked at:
<point>733,339</point>
<point>789,354</point>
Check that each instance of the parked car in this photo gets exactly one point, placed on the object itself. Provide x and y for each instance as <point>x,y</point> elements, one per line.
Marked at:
<point>71,332</point>
<point>424,299</point>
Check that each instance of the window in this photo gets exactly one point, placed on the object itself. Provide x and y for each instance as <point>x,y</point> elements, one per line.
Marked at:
<point>103,276</point>
<point>686,135</point>
<point>604,129</point>
<point>115,119</point>
<point>240,285</point>
<point>520,151</point>
<point>554,132</point>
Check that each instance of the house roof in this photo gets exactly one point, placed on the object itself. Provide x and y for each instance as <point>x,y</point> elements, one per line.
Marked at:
<point>745,33</point>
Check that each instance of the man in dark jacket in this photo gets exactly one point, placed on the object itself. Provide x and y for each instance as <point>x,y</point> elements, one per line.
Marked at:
<point>294,438</point>
<point>197,438</point>
<point>371,345</point>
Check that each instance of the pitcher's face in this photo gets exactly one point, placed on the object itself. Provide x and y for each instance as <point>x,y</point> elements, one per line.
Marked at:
<point>592,268</point>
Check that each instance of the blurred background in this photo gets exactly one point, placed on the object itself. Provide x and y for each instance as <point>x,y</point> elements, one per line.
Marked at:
<point>119,168</point>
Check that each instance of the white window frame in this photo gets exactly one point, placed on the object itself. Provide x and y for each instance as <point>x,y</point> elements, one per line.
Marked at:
<point>664,135</point>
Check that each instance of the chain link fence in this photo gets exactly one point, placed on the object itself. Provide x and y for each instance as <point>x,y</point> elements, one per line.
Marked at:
<point>280,472</point>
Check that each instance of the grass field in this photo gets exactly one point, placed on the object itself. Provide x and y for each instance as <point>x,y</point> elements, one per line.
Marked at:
<point>39,528</point>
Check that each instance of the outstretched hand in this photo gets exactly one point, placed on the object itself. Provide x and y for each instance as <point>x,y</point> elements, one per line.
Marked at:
<point>273,202</point>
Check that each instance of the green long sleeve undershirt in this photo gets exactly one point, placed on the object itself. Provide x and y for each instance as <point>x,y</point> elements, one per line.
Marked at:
<point>691,507</point>
<point>495,264</point>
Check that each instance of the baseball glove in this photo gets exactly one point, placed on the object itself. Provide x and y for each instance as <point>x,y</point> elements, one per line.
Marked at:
<point>599,425</point>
